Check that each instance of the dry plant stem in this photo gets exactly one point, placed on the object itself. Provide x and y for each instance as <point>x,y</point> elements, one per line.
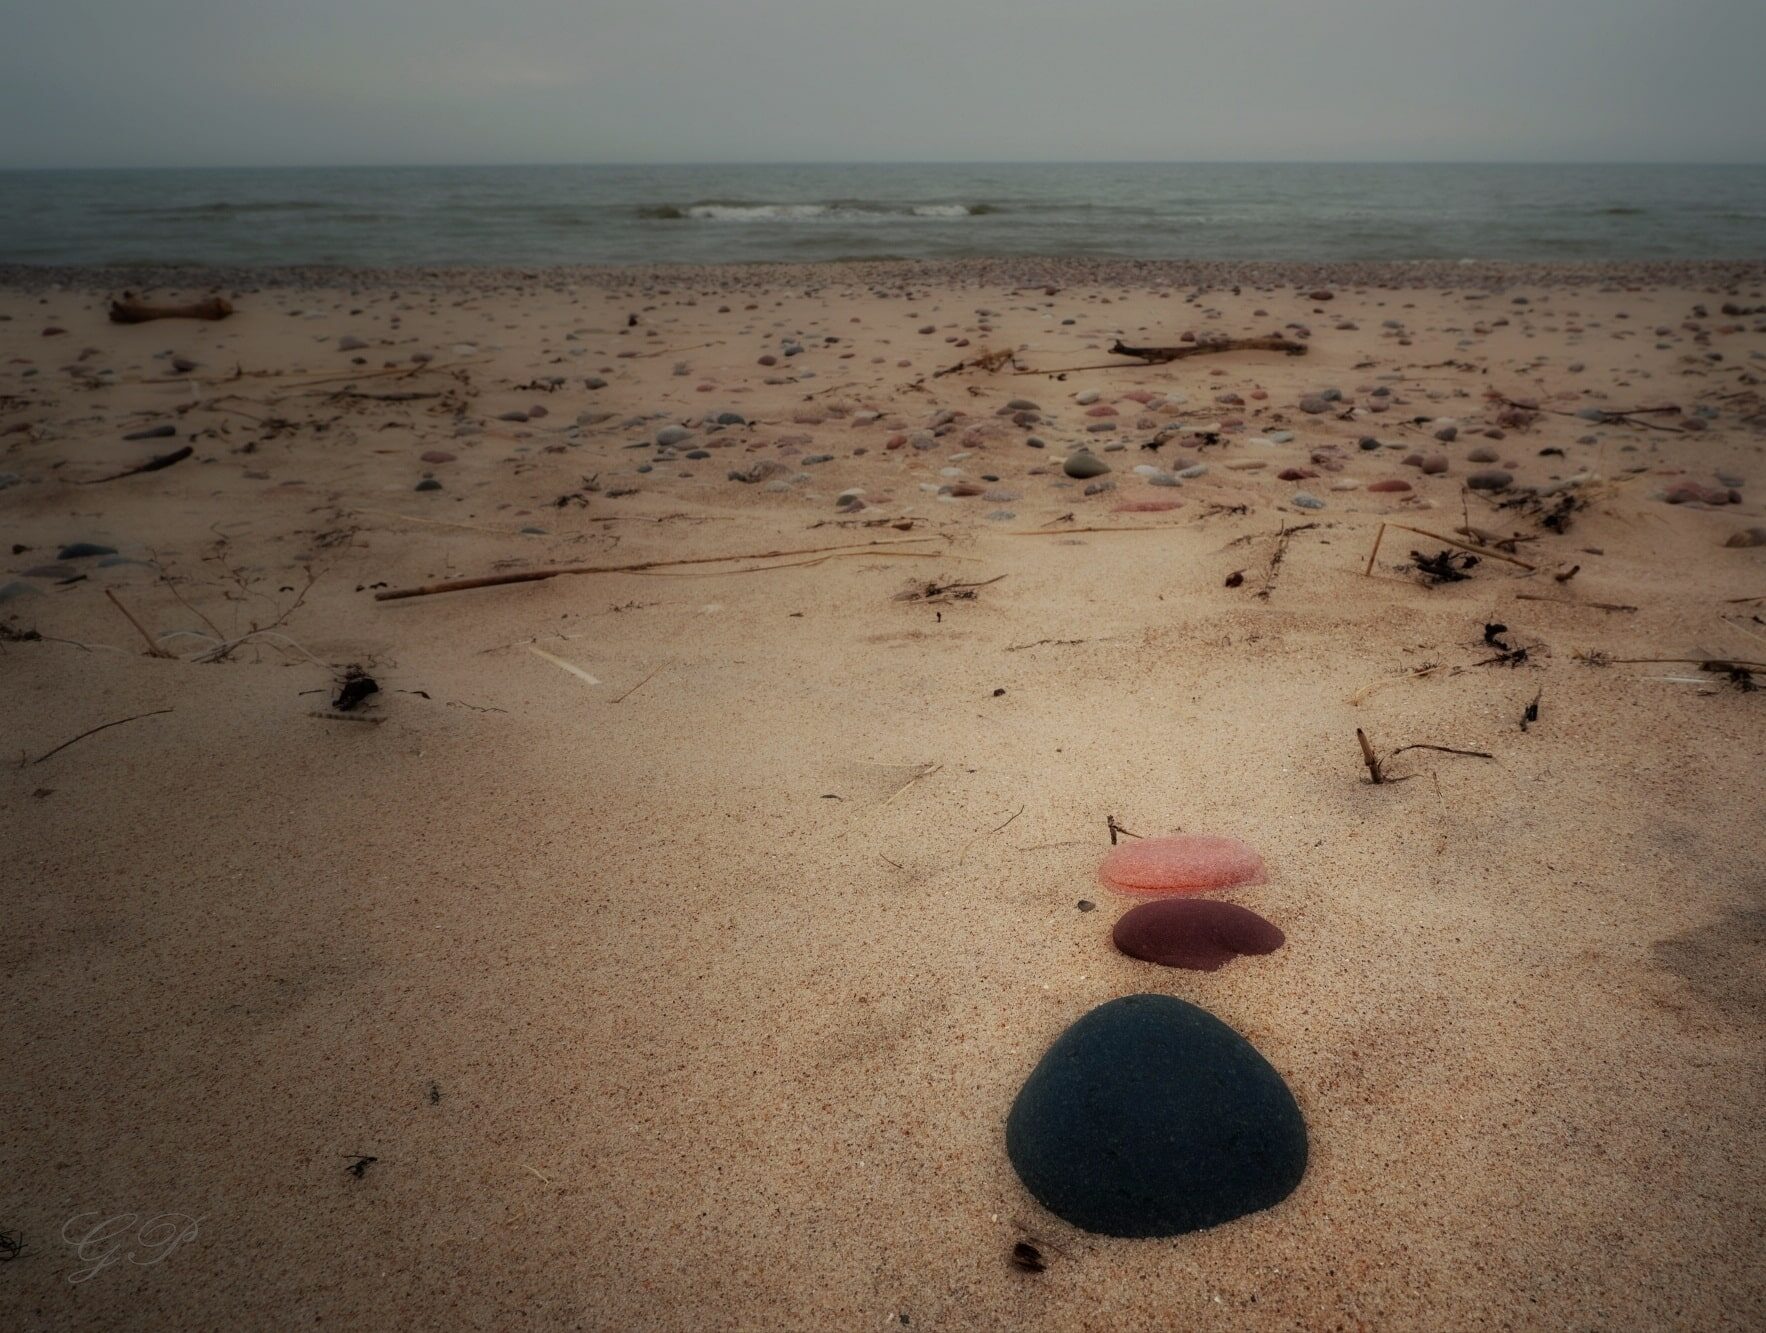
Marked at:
<point>103,726</point>
<point>537,575</point>
<point>1369,758</point>
<point>640,685</point>
<point>1565,601</point>
<point>1062,532</point>
<point>153,649</point>
<point>1451,541</point>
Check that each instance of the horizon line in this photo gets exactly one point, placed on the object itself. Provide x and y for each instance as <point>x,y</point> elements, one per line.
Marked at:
<point>892,162</point>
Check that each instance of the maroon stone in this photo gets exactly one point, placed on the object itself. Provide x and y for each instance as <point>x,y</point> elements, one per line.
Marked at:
<point>1202,934</point>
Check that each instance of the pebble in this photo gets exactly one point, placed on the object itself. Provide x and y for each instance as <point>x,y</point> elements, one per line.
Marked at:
<point>1747,537</point>
<point>1080,466</point>
<point>427,484</point>
<point>1490,479</point>
<point>1200,934</point>
<point>1183,863</point>
<point>1315,404</point>
<point>1391,486</point>
<point>669,436</point>
<point>153,433</point>
<point>1192,472</point>
<point>1691,492</point>
<point>83,551</point>
<point>1434,465</point>
<point>1306,500</point>
<point>762,469</point>
<point>1151,1117</point>
<point>436,456</point>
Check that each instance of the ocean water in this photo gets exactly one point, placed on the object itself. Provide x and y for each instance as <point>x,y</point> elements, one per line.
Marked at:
<point>729,214</point>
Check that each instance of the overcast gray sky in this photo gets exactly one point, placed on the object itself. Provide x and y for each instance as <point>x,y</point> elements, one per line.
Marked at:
<point>279,82</point>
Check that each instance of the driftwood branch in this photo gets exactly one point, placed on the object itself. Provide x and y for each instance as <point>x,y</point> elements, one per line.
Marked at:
<point>151,465</point>
<point>536,575</point>
<point>130,311</point>
<point>1158,356</point>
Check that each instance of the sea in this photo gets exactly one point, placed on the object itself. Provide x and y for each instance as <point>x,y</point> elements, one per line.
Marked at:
<point>559,215</point>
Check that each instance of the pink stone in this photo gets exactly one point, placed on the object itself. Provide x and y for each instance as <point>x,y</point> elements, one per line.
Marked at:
<point>436,456</point>
<point>1101,410</point>
<point>1185,863</point>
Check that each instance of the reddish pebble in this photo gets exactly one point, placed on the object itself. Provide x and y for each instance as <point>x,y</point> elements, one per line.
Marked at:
<point>437,456</point>
<point>1296,474</point>
<point>1393,485</point>
<point>1101,410</point>
<point>1202,934</point>
<point>1186,863</point>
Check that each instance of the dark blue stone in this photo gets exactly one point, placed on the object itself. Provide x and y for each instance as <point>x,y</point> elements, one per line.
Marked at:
<point>1151,1117</point>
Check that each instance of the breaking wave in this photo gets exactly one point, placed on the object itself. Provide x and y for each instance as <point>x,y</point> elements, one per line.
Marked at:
<point>838,211</point>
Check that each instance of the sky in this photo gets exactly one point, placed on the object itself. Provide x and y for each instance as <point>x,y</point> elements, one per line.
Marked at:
<point>139,83</point>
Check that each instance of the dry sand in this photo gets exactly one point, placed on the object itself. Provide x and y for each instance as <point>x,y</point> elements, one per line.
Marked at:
<point>727,952</point>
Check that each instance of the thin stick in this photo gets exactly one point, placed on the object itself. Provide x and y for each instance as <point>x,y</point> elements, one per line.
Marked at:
<point>1724,662</point>
<point>536,575</point>
<point>104,726</point>
<point>559,662</point>
<point>640,685</point>
<point>1565,601</point>
<point>1369,758</point>
<point>1443,749</point>
<point>1451,541</point>
<point>153,649</point>
<point>923,773</point>
<point>1372,555</point>
<point>151,465</point>
<point>1062,532</point>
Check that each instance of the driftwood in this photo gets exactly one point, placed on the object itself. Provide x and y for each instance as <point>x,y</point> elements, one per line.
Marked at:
<point>1155,356</point>
<point>1158,356</point>
<point>536,575</point>
<point>130,311</point>
<point>153,464</point>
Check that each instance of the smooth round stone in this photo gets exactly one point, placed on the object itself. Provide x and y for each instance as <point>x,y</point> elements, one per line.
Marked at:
<point>1306,500</point>
<point>1492,479</point>
<point>1201,934</point>
<point>1184,863</point>
<point>1390,486</point>
<point>669,436</point>
<point>83,551</point>
<point>1151,1117</point>
<point>1082,466</point>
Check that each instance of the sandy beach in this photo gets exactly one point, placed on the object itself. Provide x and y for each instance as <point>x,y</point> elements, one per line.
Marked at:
<point>673,941</point>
